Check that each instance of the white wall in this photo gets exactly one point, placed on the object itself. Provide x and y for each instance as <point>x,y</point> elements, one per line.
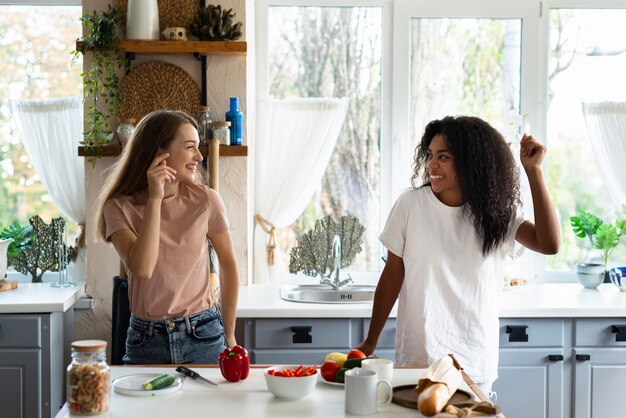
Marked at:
<point>226,78</point>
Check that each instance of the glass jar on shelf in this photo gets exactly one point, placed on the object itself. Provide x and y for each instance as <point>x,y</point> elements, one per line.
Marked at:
<point>204,124</point>
<point>221,131</point>
<point>125,130</point>
<point>88,378</point>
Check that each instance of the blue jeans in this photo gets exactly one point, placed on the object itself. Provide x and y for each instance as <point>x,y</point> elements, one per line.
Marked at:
<point>197,338</point>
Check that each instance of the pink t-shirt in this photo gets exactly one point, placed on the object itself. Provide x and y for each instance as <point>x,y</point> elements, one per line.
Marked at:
<point>180,285</point>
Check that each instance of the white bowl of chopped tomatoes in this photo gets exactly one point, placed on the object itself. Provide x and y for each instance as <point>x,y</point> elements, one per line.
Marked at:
<point>291,382</point>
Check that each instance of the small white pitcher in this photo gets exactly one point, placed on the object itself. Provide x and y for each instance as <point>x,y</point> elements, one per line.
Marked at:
<point>4,246</point>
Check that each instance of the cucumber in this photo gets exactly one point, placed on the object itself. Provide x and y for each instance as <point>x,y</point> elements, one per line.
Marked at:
<point>159,382</point>
<point>340,377</point>
<point>351,363</point>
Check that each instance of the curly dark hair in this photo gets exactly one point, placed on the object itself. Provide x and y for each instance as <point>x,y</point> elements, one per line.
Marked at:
<point>486,173</point>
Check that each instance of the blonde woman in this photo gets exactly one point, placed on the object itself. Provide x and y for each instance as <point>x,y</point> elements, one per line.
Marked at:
<point>159,217</point>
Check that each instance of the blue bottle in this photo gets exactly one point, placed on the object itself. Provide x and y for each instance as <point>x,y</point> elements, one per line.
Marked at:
<point>235,117</point>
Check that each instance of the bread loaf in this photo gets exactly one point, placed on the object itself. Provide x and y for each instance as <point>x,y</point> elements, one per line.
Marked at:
<point>433,399</point>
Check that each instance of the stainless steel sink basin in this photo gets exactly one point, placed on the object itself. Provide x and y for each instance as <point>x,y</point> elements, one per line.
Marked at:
<point>324,294</point>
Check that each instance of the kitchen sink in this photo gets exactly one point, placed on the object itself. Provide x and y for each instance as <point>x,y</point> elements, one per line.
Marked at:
<point>326,294</point>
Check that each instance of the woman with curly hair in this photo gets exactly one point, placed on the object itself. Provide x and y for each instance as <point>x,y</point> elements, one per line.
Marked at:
<point>447,241</point>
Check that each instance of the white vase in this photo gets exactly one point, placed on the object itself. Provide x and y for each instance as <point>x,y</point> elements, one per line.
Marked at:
<point>142,20</point>
<point>4,246</point>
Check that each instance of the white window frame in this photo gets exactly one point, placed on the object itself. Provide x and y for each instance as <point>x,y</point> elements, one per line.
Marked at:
<point>49,276</point>
<point>535,15</point>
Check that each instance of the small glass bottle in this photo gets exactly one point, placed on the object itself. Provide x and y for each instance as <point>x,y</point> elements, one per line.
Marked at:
<point>235,117</point>
<point>220,130</point>
<point>204,125</point>
<point>125,130</point>
<point>88,378</point>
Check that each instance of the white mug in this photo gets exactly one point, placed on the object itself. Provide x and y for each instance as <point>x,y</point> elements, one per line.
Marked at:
<point>382,366</point>
<point>361,391</point>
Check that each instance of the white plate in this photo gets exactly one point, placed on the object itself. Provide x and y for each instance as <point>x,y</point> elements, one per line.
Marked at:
<point>131,385</point>
<point>321,379</point>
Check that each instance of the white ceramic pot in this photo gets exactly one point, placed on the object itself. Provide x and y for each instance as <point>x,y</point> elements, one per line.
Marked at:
<point>142,20</point>
<point>4,246</point>
<point>590,275</point>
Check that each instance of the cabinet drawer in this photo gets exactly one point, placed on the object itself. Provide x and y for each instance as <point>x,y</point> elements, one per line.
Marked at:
<point>305,333</point>
<point>387,338</point>
<point>600,332</point>
<point>519,332</point>
<point>20,331</point>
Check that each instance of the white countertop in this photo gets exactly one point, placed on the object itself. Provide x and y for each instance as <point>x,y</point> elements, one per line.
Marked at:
<point>550,300</point>
<point>39,298</point>
<point>248,398</point>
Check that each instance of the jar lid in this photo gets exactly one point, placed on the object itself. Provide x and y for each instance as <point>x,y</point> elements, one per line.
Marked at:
<point>221,123</point>
<point>128,120</point>
<point>203,109</point>
<point>89,345</point>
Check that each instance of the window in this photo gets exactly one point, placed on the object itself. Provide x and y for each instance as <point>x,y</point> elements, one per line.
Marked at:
<point>326,51</point>
<point>587,65</point>
<point>534,60</point>
<point>35,46</point>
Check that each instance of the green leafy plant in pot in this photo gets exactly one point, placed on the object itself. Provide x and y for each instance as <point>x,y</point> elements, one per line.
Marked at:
<point>602,235</point>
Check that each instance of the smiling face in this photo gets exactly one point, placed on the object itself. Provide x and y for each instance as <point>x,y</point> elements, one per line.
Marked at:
<point>442,172</point>
<point>184,153</point>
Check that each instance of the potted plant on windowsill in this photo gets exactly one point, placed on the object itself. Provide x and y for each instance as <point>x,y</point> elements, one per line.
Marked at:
<point>602,235</point>
<point>100,80</point>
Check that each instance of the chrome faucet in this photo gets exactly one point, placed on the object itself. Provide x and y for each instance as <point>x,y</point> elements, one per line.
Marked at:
<point>336,283</point>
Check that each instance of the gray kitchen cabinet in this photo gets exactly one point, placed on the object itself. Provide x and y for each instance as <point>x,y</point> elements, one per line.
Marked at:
<point>561,368</point>
<point>32,364</point>
<point>307,340</point>
<point>599,357</point>
<point>531,372</point>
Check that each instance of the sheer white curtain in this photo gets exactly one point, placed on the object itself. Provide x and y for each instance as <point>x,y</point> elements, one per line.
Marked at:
<point>51,130</point>
<point>606,126</point>
<point>294,142</point>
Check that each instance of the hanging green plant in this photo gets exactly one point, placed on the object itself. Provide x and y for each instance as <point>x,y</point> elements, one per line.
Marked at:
<point>100,81</point>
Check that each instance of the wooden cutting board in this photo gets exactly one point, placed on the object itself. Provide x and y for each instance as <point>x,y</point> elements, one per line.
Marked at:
<point>6,285</point>
<point>405,396</point>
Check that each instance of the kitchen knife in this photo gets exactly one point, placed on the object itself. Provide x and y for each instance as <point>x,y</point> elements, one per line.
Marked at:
<point>194,375</point>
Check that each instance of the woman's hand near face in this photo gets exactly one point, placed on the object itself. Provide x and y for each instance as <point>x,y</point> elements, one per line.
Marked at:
<point>158,174</point>
<point>531,152</point>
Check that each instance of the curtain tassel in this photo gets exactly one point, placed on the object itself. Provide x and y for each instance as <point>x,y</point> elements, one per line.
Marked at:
<point>269,228</point>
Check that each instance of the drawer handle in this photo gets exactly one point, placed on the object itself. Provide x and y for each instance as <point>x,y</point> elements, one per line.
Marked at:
<point>517,333</point>
<point>302,335</point>
<point>555,357</point>
<point>619,331</point>
<point>583,357</point>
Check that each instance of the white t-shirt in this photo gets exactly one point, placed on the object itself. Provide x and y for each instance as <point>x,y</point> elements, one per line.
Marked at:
<point>450,296</point>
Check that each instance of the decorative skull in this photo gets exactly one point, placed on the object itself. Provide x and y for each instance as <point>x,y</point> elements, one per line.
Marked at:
<point>175,34</point>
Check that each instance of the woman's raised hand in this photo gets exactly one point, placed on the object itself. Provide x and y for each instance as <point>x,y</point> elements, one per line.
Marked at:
<point>159,174</point>
<point>531,152</point>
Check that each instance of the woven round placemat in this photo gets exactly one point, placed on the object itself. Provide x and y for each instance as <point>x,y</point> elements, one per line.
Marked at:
<point>158,85</point>
<point>172,13</point>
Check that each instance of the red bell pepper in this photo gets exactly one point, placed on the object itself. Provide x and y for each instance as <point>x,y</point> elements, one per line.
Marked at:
<point>234,363</point>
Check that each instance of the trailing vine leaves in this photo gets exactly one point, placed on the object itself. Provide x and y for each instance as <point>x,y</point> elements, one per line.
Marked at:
<point>100,81</point>
<point>314,253</point>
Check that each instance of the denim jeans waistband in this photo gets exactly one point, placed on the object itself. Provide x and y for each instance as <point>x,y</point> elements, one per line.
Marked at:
<point>186,323</point>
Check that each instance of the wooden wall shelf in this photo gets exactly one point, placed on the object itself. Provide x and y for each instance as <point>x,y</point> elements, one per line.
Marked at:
<point>182,47</point>
<point>185,47</point>
<point>114,150</point>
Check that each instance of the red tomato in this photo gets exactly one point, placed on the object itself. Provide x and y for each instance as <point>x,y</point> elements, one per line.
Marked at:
<point>356,353</point>
<point>329,370</point>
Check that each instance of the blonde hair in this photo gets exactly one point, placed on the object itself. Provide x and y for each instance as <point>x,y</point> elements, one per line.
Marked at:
<point>128,175</point>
